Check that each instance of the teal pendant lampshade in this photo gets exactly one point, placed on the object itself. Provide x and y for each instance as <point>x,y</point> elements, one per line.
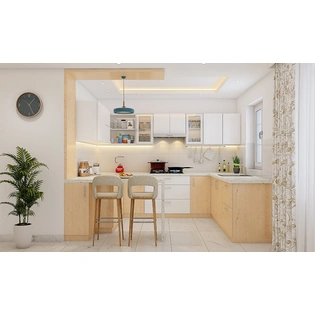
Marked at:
<point>123,109</point>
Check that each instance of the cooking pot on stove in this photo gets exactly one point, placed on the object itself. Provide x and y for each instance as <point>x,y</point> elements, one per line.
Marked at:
<point>157,166</point>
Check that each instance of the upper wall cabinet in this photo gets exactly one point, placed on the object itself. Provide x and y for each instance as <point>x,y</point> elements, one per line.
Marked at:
<point>212,130</point>
<point>144,134</point>
<point>92,122</point>
<point>194,130</point>
<point>231,129</point>
<point>169,125</point>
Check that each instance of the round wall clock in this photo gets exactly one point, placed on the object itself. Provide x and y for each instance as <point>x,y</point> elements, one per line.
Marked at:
<point>29,104</point>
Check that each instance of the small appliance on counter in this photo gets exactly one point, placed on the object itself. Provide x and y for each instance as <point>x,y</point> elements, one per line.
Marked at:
<point>84,168</point>
<point>119,168</point>
<point>96,169</point>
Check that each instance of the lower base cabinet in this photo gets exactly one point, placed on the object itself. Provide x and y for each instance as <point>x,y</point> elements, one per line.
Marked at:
<point>242,211</point>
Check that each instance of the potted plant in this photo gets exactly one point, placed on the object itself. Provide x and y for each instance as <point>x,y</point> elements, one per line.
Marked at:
<point>236,162</point>
<point>23,177</point>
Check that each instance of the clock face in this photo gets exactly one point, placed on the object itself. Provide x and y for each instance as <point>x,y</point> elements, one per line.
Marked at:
<point>28,104</point>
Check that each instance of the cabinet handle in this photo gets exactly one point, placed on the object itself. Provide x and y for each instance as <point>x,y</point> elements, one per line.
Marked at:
<point>84,191</point>
<point>193,181</point>
<point>168,187</point>
<point>167,178</point>
<point>216,185</point>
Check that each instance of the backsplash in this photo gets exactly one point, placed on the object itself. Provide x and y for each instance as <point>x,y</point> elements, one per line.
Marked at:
<point>171,150</point>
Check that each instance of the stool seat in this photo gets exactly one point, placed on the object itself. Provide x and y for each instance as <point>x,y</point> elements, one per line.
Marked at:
<point>115,186</point>
<point>142,180</point>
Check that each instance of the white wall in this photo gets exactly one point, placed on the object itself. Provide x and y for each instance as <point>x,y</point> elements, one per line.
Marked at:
<point>42,136</point>
<point>262,90</point>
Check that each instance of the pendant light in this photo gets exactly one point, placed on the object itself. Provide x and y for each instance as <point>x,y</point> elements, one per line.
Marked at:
<point>123,109</point>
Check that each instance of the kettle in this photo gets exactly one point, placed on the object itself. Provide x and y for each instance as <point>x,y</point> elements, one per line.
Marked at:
<point>120,169</point>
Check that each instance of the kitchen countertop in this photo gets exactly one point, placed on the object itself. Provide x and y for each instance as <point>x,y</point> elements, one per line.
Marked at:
<point>234,179</point>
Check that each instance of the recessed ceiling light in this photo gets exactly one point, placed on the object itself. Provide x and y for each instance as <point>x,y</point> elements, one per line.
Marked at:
<point>237,81</point>
<point>102,83</point>
<point>108,91</point>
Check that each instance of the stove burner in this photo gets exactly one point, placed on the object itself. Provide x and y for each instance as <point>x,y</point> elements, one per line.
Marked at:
<point>157,171</point>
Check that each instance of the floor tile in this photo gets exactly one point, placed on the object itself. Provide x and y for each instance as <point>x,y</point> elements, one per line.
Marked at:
<point>181,235</point>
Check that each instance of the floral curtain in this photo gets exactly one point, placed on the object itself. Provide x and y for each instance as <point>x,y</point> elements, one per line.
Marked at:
<point>283,164</point>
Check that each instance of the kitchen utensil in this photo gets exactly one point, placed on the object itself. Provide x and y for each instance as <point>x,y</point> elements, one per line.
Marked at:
<point>209,154</point>
<point>200,157</point>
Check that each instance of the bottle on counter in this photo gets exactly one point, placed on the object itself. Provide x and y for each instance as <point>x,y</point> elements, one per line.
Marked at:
<point>224,166</point>
<point>219,167</point>
<point>228,167</point>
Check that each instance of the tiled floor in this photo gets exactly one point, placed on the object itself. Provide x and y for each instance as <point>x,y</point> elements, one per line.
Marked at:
<point>181,235</point>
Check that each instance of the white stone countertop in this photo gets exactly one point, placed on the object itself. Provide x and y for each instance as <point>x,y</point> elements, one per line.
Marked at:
<point>231,178</point>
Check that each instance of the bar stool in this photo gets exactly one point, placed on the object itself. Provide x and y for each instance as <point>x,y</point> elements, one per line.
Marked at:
<point>112,181</point>
<point>142,180</point>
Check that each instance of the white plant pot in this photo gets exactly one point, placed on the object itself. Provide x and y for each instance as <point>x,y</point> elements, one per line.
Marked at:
<point>22,235</point>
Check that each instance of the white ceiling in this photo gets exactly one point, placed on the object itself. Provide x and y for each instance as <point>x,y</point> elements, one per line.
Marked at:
<point>181,80</point>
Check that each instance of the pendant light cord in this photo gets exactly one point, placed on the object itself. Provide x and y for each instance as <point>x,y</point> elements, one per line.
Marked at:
<point>123,77</point>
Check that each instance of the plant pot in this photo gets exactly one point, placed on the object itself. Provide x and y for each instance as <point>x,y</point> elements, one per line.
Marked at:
<point>236,170</point>
<point>22,235</point>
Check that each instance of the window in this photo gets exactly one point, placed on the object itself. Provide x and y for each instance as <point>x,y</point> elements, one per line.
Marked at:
<point>258,136</point>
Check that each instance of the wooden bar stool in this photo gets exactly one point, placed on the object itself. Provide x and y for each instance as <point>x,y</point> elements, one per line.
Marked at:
<point>142,180</point>
<point>112,181</point>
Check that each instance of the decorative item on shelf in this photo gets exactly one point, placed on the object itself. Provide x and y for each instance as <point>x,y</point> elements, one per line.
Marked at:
<point>236,162</point>
<point>23,177</point>
<point>130,124</point>
<point>123,109</point>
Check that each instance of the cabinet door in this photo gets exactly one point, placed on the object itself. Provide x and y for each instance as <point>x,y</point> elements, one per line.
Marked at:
<point>231,128</point>
<point>77,212</point>
<point>86,121</point>
<point>200,194</point>
<point>194,133</point>
<point>212,129</point>
<point>177,125</point>
<point>144,133</point>
<point>103,123</point>
<point>161,125</point>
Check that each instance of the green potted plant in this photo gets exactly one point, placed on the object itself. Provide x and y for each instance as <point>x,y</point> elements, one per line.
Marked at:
<point>236,162</point>
<point>27,191</point>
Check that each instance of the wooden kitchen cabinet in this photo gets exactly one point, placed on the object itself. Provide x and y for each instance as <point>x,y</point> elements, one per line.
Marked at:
<point>200,196</point>
<point>80,211</point>
<point>242,211</point>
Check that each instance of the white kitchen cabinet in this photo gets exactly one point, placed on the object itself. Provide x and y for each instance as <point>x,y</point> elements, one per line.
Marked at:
<point>231,129</point>
<point>212,129</point>
<point>144,130</point>
<point>92,122</point>
<point>123,128</point>
<point>103,123</point>
<point>169,125</point>
<point>177,195</point>
<point>194,129</point>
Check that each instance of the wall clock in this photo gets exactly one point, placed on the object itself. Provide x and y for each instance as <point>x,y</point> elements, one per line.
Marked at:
<point>29,104</point>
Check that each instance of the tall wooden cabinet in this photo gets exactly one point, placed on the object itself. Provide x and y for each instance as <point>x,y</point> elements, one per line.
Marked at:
<point>242,211</point>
